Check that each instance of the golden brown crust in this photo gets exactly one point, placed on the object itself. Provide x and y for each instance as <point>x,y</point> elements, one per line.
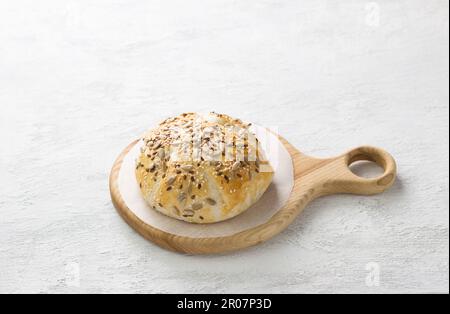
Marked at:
<point>202,168</point>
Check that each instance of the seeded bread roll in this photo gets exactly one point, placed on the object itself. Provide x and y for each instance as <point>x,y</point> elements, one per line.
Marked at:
<point>202,168</point>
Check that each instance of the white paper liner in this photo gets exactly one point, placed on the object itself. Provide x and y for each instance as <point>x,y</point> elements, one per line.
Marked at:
<point>272,201</point>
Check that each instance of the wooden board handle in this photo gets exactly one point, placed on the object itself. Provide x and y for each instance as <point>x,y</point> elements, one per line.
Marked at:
<point>343,180</point>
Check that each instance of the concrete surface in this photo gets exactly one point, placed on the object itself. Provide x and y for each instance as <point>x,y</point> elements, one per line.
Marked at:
<point>80,79</point>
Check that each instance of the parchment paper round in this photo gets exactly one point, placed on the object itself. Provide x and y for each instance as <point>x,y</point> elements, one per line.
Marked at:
<point>273,199</point>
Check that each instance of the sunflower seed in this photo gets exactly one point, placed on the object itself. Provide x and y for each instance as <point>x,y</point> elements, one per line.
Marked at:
<point>197,206</point>
<point>186,167</point>
<point>161,153</point>
<point>171,180</point>
<point>181,197</point>
<point>188,213</point>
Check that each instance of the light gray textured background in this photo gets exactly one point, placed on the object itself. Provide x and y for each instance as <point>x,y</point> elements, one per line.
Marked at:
<point>80,79</point>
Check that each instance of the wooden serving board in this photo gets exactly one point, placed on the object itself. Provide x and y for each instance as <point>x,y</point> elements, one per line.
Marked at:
<point>313,178</point>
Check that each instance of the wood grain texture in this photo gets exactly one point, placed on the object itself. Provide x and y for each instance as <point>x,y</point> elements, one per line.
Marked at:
<point>312,178</point>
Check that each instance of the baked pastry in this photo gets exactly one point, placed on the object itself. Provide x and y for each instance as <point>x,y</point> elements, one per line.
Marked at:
<point>202,168</point>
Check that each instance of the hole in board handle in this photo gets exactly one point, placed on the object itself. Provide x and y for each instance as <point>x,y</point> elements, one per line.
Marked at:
<point>366,169</point>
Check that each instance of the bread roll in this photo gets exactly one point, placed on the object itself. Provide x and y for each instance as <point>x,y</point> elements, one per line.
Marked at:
<point>202,168</point>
